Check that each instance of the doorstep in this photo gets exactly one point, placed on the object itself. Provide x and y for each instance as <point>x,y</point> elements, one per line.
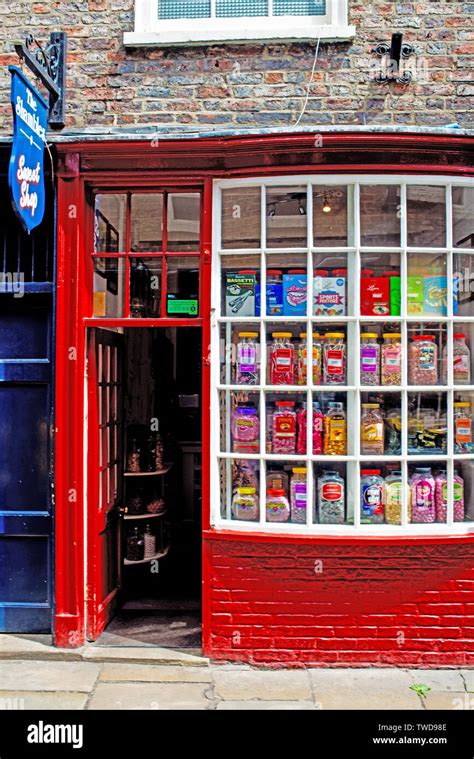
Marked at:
<point>41,648</point>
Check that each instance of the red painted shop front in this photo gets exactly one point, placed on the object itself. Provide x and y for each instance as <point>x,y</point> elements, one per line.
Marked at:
<point>285,579</point>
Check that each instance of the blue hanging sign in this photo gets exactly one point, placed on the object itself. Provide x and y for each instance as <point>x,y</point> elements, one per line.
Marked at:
<point>26,169</point>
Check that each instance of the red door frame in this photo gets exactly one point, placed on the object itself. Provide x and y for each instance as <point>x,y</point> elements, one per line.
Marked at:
<point>172,163</point>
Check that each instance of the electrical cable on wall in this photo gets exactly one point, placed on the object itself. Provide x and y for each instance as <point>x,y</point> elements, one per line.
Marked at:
<point>310,82</point>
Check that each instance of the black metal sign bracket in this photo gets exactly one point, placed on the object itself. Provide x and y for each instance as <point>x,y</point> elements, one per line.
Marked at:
<point>393,52</point>
<point>49,65</point>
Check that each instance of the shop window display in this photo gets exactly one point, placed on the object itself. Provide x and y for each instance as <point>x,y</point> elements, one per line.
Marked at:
<point>344,356</point>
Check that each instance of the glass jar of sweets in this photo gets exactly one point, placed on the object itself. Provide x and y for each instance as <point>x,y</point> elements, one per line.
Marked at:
<point>423,360</point>
<point>462,427</point>
<point>246,362</point>
<point>282,359</point>
<point>391,359</point>
<point>335,430</point>
<point>369,359</point>
<point>334,358</point>
<point>372,433</point>
<point>461,360</point>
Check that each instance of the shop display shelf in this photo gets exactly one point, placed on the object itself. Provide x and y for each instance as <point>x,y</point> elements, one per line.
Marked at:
<point>145,516</point>
<point>158,472</point>
<point>160,555</point>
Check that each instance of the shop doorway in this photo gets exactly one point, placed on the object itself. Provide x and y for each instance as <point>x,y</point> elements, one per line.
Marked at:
<point>144,486</point>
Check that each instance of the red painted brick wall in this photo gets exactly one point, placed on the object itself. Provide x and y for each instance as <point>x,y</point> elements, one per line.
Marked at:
<point>336,605</point>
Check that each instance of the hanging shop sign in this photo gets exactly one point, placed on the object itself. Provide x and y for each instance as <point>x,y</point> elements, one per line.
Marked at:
<point>26,169</point>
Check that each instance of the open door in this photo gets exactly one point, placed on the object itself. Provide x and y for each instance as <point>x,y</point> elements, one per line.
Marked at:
<point>105,469</point>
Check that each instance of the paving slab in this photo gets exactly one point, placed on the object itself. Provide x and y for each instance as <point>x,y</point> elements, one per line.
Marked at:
<point>48,675</point>
<point>450,700</point>
<point>363,689</point>
<point>227,706</point>
<point>47,700</point>
<point>149,696</point>
<point>280,685</point>
<point>438,679</point>
<point>154,673</point>
<point>147,655</point>
<point>468,678</point>
<point>19,647</point>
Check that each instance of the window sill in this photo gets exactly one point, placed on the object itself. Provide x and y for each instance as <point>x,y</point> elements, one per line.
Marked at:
<point>260,33</point>
<point>304,538</point>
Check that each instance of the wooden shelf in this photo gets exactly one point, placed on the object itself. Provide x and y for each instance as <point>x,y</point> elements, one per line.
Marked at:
<point>160,555</point>
<point>158,472</point>
<point>145,516</point>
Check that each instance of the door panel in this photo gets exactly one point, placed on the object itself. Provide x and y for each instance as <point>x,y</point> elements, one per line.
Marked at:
<point>105,470</point>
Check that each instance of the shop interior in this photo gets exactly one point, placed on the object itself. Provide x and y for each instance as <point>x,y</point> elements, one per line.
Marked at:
<point>159,491</point>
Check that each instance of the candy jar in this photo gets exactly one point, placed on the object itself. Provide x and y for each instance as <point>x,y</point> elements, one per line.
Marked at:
<point>284,428</point>
<point>134,549</point>
<point>282,359</point>
<point>298,495</point>
<point>369,359</point>
<point>334,359</point>
<point>423,503</point>
<point>371,430</point>
<point>330,498</point>
<point>441,496</point>
<point>245,430</point>
<point>462,427</point>
<point>302,360</point>
<point>133,458</point>
<point>423,360</point>
<point>393,498</point>
<point>317,432</point>
<point>246,363</point>
<point>277,507</point>
<point>149,543</point>
<point>372,496</point>
<point>391,359</point>
<point>245,504</point>
<point>335,431</point>
<point>461,360</point>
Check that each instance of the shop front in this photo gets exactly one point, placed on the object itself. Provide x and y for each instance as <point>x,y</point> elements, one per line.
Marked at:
<point>264,360</point>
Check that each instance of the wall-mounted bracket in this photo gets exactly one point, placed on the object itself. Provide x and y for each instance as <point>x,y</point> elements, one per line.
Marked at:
<point>49,65</point>
<point>391,55</point>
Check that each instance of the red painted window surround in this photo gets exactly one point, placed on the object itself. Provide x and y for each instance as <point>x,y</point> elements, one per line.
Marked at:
<point>113,164</point>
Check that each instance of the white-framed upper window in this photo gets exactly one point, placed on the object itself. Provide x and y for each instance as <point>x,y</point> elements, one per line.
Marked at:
<point>172,22</point>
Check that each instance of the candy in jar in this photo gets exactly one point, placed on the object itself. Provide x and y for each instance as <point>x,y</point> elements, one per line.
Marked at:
<point>318,420</point>
<point>246,364</point>
<point>391,359</point>
<point>372,496</point>
<point>461,360</point>
<point>302,360</point>
<point>334,359</point>
<point>423,502</point>
<point>369,359</point>
<point>284,428</point>
<point>393,433</point>
<point>393,498</point>
<point>441,493</point>
<point>331,498</point>
<point>423,360</point>
<point>245,505</point>
<point>298,495</point>
<point>371,430</point>
<point>335,431</point>
<point>277,506</point>
<point>462,427</point>
<point>245,430</point>
<point>282,359</point>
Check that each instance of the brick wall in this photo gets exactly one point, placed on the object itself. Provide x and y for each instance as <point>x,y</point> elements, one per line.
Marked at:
<point>330,605</point>
<point>248,85</point>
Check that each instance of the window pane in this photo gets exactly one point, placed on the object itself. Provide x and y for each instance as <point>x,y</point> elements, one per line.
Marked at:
<point>241,218</point>
<point>147,220</point>
<point>330,216</point>
<point>228,8</point>
<point>463,217</point>
<point>183,286</point>
<point>184,217</point>
<point>109,223</point>
<point>169,9</point>
<point>108,287</point>
<point>145,287</point>
<point>299,7</point>
<point>286,217</point>
<point>380,215</point>
<point>426,212</point>
<point>427,354</point>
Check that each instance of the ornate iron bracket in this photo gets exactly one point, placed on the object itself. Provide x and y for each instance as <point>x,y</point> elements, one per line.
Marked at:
<point>392,54</point>
<point>49,65</point>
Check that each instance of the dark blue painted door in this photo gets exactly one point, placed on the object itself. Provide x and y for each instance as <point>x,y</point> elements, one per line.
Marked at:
<point>26,425</point>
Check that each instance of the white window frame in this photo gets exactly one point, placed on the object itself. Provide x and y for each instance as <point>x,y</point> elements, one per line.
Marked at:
<point>150,30</point>
<point>354,388</point>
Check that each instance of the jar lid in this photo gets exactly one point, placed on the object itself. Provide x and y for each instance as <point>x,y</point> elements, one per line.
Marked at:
<point>276,492</point>
<point>459,336</point>
<point>423,470</point>
<point>334,334</point>
<point>339,272</point>
<point>370,405</point>
<point>248,334</point>
<point>369,334</point>
<point>424,337</point>
<point>303,335</point>
<point>299,470</point>
<point>390,274</point>
<point>246,410</point>
<point>461,404</point>
<point>247,491</point>
<point>369,472</point>
<point>274,272</point>
<point>282,334</point>
<point>367,272</point>
<point>296,271</point>
<point>321,272</point>
<point>392,334</point>
<point>396,472</point>
<point>286,404</point>
<point>247,271</point>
